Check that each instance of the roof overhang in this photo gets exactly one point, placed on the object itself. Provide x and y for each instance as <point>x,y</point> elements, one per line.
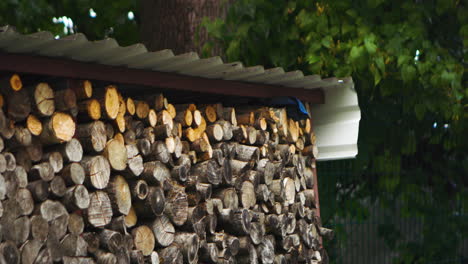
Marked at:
<point>335,111</point>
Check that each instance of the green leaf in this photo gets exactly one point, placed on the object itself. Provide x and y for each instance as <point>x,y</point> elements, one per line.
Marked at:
<point>379,61</point>
<point>408,73</point>
<point>312,58</point>
<point>419,110</point>
<point>355,53</point>
<point>371,47</point>
<point>402,59</point>
<point>326,41</point>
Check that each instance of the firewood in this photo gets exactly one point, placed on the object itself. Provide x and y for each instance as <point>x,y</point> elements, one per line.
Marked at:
<point>209,112</point>
<point>74,246</point>
<point>215,132</point>
<point>116,154</point>
<point>89,110</point>
<point>229,114</point>
<point>34,125</point>
<point>55,160</point>
<point>29,251</point>
<point>144,239</point>
<point>165,118</point>
<point>59,128</point>
<point>73,173</point>
<point>44,99</point>
<point>39,190</point>
<point>97,171</point>
<point>57,187</point>
<point>119,193</point>
<point>92,136</point>
<point>184,117</point>
<point>176,206</point>
<point>18,105</point>
<point>13,83</point>
<point>163,231</point>
<point>189,244</point>
<point>99,212</point>
<point>25,201</point>
<point>76,224</point>
<point>171,255</point>
<point>76,198</point>
<point>65,101</point>
<point>160,102</point>
<point>109,99</point>
<point>153,205</point>
<point>10,252</point>
<point>42,171</point>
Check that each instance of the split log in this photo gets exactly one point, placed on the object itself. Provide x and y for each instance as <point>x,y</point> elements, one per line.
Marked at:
<point>163,231</point>
<point>97,171</point>
<point>99,212</point>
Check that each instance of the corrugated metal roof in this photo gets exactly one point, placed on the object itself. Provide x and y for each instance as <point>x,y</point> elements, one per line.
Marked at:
<point>336,122</point>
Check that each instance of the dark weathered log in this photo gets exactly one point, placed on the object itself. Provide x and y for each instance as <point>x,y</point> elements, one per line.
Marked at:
<point>155,172</point>
<point>189,245</point>
<point>153,205</point>
<point>228,196</point>
<point>99,212</point>
<point>65,100</point>
<point>77,260</point>
<point>39,190</point>
<point>10,252</point>
<point>18,105</point>
<point>10,161</point>
<point>160,152</point>
<point>209,253</point>
<point>97,171</point>
<point>21,229</point>
<point>43,171</point>
<point>22,138</point>
<point>207,172</point>
<point>176,207</point>
<point>92,240</point>
<point>76,198</point>
<point>138,189</point>
<point>73,174</point>
<point>105,258</point>
<point>171,255</point>
<point>92,136</point>
<point>326,233</point>
<point>247,192</point>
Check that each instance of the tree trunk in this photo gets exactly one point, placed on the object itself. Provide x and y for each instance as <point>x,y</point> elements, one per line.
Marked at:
<point>175,24</point>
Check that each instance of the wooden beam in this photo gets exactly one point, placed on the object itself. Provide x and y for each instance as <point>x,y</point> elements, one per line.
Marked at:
<point>60,67</point>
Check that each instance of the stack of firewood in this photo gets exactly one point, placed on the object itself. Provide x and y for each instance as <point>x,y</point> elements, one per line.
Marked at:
<point>88,175</point>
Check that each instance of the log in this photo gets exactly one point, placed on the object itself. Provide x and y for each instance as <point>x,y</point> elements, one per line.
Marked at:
<point>109,98</point>
<point>184,117</point>
<point>163,231</point>
<point>144,239</point>
<point>73,174</point>
<point>43,171</point>
<point>116,153</point>
<point>89,110</point>
<point>130,104</point>
<point>77,198</point>
<point>176,207</point>
<point>44,99</point>
<point>99,212</point>
<point>59,128</point>
<point>65,101</point>
<point>119,194</point>
<point>76,224</point>
<point>215,132</point>
<point>29,251</point>
<point>92,136</point>
<point>189,244</point>
<point>74,246</point>
<point>18,105</point>
<point>160,102</point>
<point>97,171</point>
<point>25,201</point>
<point>155,202</point>
<point>142,109</point>
<point>10,252</point>
<point>83,88</point>
<point>55,160</point>
<point>39,190</point>
<point>171,255</point>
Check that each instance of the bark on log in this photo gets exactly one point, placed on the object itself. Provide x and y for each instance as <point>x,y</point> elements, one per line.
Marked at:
<point>59,128</point>
<point>92,136</point>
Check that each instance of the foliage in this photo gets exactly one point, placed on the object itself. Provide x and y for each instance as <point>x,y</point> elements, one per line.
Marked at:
<point>111,20</point>
<point>408,62</point>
